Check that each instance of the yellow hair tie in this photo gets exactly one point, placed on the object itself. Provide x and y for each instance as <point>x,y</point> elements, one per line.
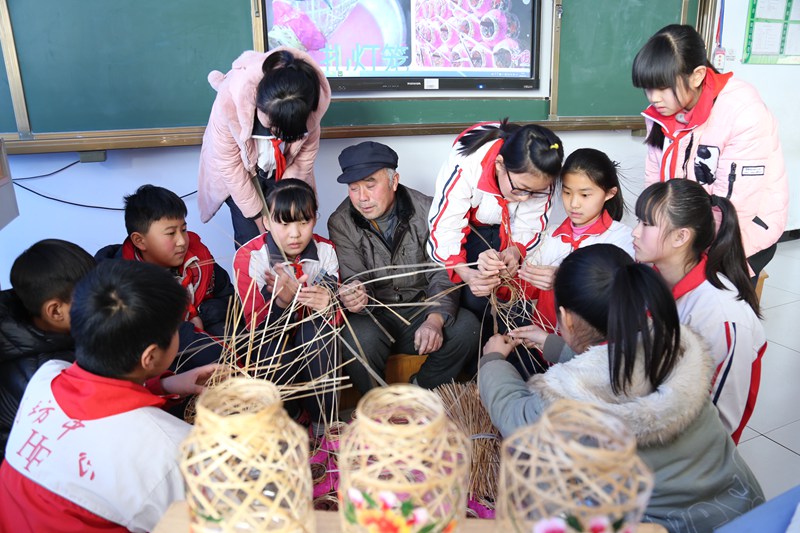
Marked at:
<point>554,146</point>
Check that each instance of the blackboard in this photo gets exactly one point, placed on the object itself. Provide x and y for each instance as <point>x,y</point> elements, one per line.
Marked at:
<point>7,122</point>
<point>599,40</point>
<point>90,65</point>
<point>126,73</point>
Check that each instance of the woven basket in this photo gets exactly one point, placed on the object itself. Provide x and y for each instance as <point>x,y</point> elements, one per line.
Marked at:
<point>404,465</point>
<point>574,470</point>
<point>245,462</point>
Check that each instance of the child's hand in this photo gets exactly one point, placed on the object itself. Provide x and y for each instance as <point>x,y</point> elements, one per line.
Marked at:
<point>540,276</point>
<point>353,296</point>
<point>285,286</point>
<point>190,382</point>
<point>500,344</point>
<point>530,336</point>
<point>490,263</point>
<point>479,284</point>
<point>511,257</point>
<point>197,321</point>
<point>316,297</point>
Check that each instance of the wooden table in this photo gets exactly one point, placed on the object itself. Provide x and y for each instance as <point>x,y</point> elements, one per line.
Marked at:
<point>176,520</point>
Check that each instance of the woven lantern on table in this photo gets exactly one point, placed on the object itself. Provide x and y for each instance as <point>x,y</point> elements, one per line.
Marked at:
<point>245,462</point>
<point>403,464</point>
<point>575,470</point>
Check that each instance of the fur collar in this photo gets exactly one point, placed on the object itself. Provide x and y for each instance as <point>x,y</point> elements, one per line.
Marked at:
<point>655,417</point>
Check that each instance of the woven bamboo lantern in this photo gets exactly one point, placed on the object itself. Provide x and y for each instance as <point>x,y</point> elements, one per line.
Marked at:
<point>403,464</point>
<point>574,470</point>
<point>245,462</point>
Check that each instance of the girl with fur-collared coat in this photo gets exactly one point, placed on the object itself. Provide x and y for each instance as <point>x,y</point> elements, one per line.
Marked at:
<point>265,123</point>
<point>639,363</point>
<point>713,129</point>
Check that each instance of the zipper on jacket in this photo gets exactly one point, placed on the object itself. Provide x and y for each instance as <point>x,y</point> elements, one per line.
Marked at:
<point>731,180</point>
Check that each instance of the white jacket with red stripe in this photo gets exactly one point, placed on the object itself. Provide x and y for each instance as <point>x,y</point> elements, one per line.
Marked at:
<point>735,337</point>
<point>261,255</point>
<point>462,197</point>
<point>560,242</point>
<point>738,143</point>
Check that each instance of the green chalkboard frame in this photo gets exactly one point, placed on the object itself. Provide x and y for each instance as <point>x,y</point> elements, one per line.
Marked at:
<point>179,117</point>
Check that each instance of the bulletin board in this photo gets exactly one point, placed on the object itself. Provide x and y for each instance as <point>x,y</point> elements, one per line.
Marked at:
<point>773,33</point>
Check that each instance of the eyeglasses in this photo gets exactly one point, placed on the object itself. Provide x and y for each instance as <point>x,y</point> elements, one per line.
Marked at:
<point>526,193</point>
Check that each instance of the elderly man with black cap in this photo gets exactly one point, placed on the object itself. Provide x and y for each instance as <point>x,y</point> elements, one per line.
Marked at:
<point>380,231</point>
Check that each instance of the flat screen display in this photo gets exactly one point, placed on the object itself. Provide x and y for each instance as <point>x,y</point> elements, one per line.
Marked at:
<point>413,44</point>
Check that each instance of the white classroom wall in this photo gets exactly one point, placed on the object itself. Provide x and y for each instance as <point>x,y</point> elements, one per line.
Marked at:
<point>420,158</point>
<point>104,184</point>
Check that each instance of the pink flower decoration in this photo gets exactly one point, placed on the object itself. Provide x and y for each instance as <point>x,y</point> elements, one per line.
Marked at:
<point>420,516</point>
<point>355,496</point>
<point>550,525</point>
<point>599,524</point>
<point>388,499</point>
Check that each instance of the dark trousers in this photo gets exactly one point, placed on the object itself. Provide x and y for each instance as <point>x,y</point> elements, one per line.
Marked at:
<point>304,354</point>
<point>442,366</point>
<point>195,348</point>
<point>759,260</point>
<point>245,228</point>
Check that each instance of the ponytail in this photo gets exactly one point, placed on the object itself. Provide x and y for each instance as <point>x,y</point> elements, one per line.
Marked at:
<point>726,255</point>
<point>525,148</point>
<point>685,204</point>
<point>627,303</point>
<point>641,309</point>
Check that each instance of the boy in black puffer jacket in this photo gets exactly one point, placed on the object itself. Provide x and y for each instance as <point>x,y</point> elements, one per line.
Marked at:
<point>34,318</point>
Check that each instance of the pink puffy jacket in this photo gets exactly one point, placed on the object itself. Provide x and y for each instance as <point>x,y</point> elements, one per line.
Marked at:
<point>229,155</point>
<point>739,140</point>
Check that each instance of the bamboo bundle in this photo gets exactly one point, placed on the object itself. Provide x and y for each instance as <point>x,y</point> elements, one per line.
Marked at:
<point>464,408</point>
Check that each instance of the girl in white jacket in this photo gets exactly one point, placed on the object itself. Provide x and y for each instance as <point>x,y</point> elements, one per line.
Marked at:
<point>491,204</point>
<point>706,270</point>
<point>592,198</point>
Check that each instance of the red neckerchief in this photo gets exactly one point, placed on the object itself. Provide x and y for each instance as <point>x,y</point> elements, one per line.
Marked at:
<point>197,270</point>
<point>674,130</point>
<point>86,396</point>
<point>280,159</point>
<point>693,279</point>
<point>598,227</point>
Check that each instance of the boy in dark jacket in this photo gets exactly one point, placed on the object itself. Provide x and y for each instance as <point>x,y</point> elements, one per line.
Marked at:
<point>34,318</point>
<point>155,218</point>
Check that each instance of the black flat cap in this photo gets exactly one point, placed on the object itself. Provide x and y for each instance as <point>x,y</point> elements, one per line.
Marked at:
<point>361,160</point>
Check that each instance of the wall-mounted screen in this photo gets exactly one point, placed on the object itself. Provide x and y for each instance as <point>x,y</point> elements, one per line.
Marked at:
<point>366,45</point>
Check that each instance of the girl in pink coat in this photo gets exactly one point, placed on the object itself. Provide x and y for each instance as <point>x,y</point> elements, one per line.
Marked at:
<point>713,129</point>
<point>264,125</point>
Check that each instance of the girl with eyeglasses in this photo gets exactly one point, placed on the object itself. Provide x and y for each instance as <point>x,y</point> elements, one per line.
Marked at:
<point>492,201</point>
<point>264,126</point>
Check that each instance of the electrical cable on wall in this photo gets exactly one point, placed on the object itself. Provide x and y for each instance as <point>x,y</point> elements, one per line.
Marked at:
<point>59,200</point>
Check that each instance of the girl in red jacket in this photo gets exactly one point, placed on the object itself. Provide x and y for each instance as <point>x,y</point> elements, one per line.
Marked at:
<point>713,129</point>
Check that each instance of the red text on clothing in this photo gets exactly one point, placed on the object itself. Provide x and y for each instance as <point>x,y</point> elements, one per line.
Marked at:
<point>36,450</point>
